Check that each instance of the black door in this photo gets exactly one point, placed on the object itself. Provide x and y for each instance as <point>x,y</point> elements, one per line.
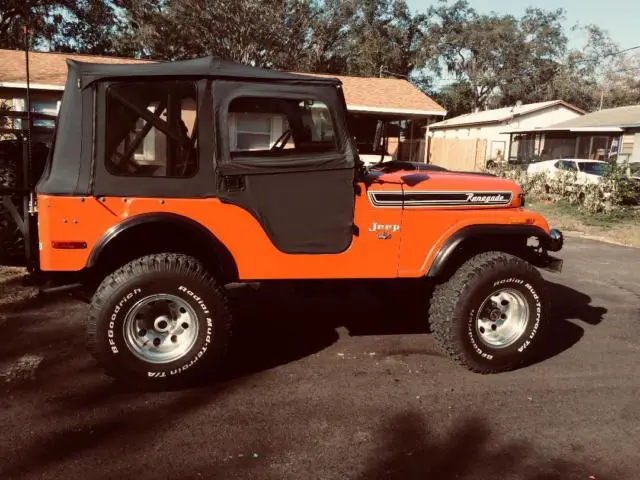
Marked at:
<point>284,155</point>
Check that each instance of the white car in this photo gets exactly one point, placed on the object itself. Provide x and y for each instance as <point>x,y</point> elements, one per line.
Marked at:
<point>587,171</point>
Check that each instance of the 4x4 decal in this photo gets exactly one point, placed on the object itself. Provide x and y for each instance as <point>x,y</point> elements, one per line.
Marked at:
<point>439,199</point>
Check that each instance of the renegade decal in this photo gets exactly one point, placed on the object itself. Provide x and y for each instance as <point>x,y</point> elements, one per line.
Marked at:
<point>439,199</point>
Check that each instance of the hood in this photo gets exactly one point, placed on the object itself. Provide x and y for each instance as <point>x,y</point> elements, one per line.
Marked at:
<point>443,189</point>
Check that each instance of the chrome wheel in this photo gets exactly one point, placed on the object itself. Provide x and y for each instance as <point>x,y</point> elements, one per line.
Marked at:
<point>160,328</point>
<point>502,318</point>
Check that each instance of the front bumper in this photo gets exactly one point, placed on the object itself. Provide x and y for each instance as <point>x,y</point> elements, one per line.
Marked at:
<point>555,241</point>
<point>552,243</point>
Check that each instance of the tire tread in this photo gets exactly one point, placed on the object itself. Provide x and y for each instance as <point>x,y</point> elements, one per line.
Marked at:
<point>161,262</point>
<point>446,297</point>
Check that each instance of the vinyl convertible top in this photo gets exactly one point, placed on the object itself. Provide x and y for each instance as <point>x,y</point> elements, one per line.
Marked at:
<point>76,165</point>
<point>213,67</point>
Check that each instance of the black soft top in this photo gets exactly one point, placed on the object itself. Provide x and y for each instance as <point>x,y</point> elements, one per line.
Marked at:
<point>76,162</point>
<point>213,67</point>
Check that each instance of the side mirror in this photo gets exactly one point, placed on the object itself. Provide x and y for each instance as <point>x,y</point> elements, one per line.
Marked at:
<point>378,139</point>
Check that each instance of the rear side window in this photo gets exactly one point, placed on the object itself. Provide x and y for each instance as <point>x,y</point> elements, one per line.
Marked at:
<point>566,165</point>
<point>266,127</point>
<point>152,129</point>
<point>571,166</point>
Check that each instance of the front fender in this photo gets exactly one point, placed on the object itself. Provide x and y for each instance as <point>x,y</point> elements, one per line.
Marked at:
<point>446,251</point>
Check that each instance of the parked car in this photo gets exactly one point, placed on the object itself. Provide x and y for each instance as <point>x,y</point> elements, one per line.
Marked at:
<point>634,170</point>
<point>587,171</point>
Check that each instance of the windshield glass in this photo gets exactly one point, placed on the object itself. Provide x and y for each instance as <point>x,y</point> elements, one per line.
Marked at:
<point>592,168</point>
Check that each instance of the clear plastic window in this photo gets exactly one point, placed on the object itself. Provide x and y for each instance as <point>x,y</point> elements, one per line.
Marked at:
<point>152,129</point>
<point>268,126</point>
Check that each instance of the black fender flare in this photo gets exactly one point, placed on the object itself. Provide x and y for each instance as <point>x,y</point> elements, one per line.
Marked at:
<point>475,231</point>
<point>180,221</point>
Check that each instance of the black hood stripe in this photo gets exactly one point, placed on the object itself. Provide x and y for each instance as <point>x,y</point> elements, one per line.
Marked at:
<point>440,199</point>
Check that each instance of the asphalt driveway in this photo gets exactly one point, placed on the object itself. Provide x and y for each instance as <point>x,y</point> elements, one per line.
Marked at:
<point>341,388</point>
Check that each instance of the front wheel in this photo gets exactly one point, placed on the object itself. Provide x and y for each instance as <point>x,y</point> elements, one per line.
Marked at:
<point>491,314</point>
<point>160,318</point>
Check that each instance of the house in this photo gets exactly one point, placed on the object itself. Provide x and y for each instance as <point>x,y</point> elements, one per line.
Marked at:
<point>403,108</point>
<point>489,126</point>
<point>601,135</point>
<point>48,72</point>
<point>396,102</point>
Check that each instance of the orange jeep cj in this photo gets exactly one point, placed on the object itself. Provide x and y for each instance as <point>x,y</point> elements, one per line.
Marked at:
<point>162,187</point>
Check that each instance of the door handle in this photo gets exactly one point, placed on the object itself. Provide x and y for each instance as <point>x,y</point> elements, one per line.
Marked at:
<point>233,183</point>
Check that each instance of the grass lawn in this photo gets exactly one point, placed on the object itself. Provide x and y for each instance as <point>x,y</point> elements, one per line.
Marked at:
<point>623,228</point>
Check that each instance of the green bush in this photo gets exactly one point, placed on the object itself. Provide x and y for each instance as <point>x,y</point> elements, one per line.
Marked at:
<point>614,193</point>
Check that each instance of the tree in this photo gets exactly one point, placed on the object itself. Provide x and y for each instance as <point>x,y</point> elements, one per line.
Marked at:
<point>91,26</point>
<point>384,37</point>
<point>542,48</point>
<point>621,84</point>
<point>458,98</point>
<point>42,16</point>
<point>503,59</point>
<point>583,71</point>
<point>488,60</point>
<point>84,26</point>
<point>256,32</point>
<point>358,37</point>
<point>326,52</point>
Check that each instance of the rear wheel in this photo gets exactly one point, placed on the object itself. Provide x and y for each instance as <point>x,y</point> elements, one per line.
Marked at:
<point>490,316</point>
<point>161,318</point>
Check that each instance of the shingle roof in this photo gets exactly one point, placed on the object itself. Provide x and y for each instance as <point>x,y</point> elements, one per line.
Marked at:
<point>362,94</point>
<point>628,116</point>
<point>372,94</point>
<point>500,115</point>
<point>46,68</point>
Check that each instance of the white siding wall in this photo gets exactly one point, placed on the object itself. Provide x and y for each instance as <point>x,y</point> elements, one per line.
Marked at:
<point>493,132</point>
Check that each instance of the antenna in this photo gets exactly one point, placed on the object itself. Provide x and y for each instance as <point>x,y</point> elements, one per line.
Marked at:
<point>27,181</point>
<point>28,202</point>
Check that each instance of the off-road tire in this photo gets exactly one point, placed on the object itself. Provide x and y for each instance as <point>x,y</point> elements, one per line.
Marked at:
<point>162,274</point>
<point>11,239</point>
<point>455,304</point>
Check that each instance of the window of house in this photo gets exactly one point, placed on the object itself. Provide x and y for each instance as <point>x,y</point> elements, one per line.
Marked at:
<point>47,107</point>
<point>152,129</point>
<point>256,131</point>
<point>38,105</point>
<point>266,126</point>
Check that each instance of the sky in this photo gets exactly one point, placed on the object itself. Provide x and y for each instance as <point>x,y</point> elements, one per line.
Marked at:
<point>618,17</point>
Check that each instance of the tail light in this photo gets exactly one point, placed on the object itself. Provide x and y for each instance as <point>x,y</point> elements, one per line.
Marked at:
<point>68,245</point>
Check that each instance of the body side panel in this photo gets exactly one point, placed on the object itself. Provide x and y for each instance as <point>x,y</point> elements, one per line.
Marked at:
<point>371,254</point>
<point>430,218</point>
